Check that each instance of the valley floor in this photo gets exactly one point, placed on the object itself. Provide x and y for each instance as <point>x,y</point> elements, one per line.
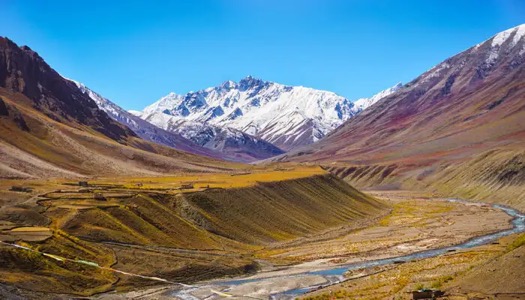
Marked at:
<point>117,234</point>
<point>417,222</point>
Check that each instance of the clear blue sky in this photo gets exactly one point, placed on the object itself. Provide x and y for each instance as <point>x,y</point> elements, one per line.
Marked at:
<point>134,52</point>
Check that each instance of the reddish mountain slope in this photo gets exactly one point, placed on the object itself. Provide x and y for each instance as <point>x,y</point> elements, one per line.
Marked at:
<point>470,103</point>
<point>49,127</point>
<point>24,71</point>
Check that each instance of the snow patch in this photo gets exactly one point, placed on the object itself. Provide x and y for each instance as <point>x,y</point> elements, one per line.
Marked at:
<point>435,71</point>
<point>364,103</point>
<point>135,112</point>
<point>501,37</point>
<point>520,33</point>
<point>493,55</point>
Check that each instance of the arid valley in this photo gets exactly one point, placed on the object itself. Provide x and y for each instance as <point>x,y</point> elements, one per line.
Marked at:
<point>254,189</point>
<point>123,240</point>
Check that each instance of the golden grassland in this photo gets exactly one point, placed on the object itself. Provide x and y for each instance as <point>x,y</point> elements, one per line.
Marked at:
<point>149,226</point>
<point>417,223</point>
<point>243,178</point>
<point>222,226</point>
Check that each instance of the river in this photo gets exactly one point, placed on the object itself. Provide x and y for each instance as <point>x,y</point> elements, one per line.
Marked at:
<point>313,279</point>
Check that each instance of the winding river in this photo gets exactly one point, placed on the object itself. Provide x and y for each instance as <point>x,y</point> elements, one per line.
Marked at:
<point>336,274</point>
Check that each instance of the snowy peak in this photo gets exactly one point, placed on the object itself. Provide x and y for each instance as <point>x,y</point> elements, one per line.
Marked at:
<point>228,85</point>
<point>466,105</point>
<point>165,103</point>
<point>192,137</point>
<point>250,82</point>
<point>503,45</point>
<point>260,108</point>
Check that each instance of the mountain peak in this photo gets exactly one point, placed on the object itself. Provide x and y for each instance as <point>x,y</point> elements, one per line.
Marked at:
<point>517,34</point>
<point>397,86</point>
<point>6,42</point>
<point>466,104</point>
<point>229,84</point>
<point>250,81</point>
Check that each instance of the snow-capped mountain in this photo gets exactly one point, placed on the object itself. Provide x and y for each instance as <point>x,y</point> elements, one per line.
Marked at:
<point>142,128</point>
<point>203,140</point>
<point>505,47</point>
<point>286,116</point>
<point>364,103</point>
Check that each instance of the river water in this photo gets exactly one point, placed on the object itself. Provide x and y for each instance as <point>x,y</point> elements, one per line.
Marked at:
<point>336,274</point>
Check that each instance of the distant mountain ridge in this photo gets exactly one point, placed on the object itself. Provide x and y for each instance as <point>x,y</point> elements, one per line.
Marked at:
<point>234,147</point>
<point>236,121</point>
<point>142,128</point>
<point>286,116</point>
<point>246,121</point>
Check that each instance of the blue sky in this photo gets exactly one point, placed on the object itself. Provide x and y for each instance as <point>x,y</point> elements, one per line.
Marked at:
<point>134,52</point>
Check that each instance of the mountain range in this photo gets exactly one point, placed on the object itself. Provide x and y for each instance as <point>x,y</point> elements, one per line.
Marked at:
<point>466,105</point>
<point>234,121</point>
<point>285,116</point>
<point>263,118</point>
<point>168,121</point>
<point>210,141</point>
<point>171,199</point>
